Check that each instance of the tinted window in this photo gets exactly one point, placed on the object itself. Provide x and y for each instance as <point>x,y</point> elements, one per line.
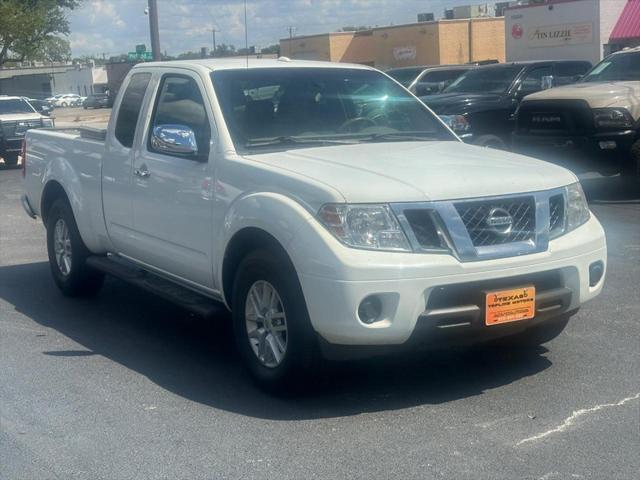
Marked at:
<point>301,106</point>
<point>485,80</point>
<point>15,106</point>
<point>620,67</point>
<point>130,108</point>
<point>180,103</point>
<point>570,72</point>
<point>404,75</point>
<point>532,81</point>
<point>441,76</point>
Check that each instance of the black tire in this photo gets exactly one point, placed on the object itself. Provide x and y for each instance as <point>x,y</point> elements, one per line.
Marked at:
<point>538,335</point>
<point>81,280</point>
<point>490,141</point>
<point>10,159</point>
<point>300,359</point>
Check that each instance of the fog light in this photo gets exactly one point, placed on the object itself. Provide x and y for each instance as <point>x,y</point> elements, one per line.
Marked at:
<point>608,145</point>
<point>370,309</point>
<point>596,270</point>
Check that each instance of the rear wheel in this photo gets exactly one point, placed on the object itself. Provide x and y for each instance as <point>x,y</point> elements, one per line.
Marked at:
<point>68,254</point>
<point>271,324</point>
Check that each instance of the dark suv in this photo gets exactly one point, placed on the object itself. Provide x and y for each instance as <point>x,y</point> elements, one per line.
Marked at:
<point>480,105</point>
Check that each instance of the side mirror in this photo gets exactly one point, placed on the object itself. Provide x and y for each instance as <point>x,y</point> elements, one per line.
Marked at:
<point>174,139</point>
<point>547,82</point>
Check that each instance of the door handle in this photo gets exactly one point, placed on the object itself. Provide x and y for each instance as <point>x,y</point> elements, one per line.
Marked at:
<point>142,172</point>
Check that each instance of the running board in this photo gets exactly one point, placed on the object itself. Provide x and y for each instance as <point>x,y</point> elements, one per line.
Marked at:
<point>134,275</point>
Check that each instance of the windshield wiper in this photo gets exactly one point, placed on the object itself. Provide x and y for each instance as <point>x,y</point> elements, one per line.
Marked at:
<point>400,137</point>
<point>292,140</point>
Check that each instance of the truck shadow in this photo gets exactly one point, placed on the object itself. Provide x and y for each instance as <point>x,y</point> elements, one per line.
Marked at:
<point>196,359</point>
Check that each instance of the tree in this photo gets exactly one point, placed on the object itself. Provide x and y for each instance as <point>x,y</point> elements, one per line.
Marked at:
<point>29,29</point>
<point>54,49</point>
<point>275,48</point>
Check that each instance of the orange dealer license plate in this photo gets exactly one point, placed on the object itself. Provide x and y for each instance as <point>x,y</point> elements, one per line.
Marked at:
<point>505,306</point>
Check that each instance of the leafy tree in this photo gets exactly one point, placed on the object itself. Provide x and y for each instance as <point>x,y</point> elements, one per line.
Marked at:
<point>271,49</point>
<point>29,29</point>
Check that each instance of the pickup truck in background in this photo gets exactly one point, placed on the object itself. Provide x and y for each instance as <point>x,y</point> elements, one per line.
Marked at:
<point>598,118</point>
<point>17,116</point>
<point>323,204</point>
<point>480,105</point>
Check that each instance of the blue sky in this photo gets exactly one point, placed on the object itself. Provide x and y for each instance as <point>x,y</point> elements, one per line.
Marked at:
<point>116,26</point>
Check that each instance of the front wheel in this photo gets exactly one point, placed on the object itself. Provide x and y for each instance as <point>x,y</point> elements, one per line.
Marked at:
<point>631,167</point>
<point>271,324</point>
<point>68,254</point>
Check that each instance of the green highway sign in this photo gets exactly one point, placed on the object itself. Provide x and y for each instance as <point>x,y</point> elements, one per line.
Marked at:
<point>135,56</point>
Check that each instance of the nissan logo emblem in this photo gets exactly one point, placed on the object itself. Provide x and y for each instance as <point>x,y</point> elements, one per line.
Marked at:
<point>499,220</point>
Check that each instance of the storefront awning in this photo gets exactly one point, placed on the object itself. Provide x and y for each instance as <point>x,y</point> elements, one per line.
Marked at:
<point>628,26</point>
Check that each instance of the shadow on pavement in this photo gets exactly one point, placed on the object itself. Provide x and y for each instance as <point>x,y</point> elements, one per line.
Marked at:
<point>615,189</point>
<point>196,359</point>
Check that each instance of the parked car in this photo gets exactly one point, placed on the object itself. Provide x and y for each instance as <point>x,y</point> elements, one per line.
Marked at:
<point>480,105</point>
<point>52,99</point>
<point>66,100</point>
<point>431,79</point>
<point>98,100</point>
<point>428,80</point>
<point>16,117</point>
<point>40,106</point>
<point>322,203</point>
<point>598,115</point>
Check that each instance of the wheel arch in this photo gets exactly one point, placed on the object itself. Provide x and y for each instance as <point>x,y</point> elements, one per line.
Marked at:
<point>244,241</point>
<point>51,192</point>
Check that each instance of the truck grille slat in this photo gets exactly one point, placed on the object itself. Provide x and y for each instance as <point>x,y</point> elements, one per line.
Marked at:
<point>516,220</point>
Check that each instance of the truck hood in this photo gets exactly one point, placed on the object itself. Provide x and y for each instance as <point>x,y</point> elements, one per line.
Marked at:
<point>16,117</point>
<point>418,171</point>
<point>459,103</point>
<point>597,95</point>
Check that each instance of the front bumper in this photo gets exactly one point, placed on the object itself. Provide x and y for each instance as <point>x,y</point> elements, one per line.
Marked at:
<point>600,143</point>
<point>407,284</point>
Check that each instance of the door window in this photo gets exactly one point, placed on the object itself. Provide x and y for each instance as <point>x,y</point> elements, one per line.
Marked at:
<point>180,102</point>
<point>130,108</point>
<point>532,82</point>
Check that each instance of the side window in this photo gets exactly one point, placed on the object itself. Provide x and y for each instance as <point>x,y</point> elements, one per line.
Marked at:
<point>130,108</point>
<point>570,72</point>
<point>532,82</point>
<point>180,102</point>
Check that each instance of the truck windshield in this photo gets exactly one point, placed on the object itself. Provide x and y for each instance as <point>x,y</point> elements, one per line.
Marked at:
<point>299,106</point>
<point>485,80</point>
<point>620,67</point>
<point>405,75</point>
<point>15,105</point>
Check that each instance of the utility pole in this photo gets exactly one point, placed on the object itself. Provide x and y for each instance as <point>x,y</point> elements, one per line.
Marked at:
<point>213,32</point>
<point>291,30</point>
<point>153,28</point>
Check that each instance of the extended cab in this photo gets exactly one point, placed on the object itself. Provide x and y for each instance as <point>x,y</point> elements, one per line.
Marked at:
<point>599,115</point>
<point>323,204</point>
<point>480,105</point>
<point>17,116</point>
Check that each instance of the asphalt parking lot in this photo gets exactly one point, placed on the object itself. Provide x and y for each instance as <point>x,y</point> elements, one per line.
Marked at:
<point>128,386</point>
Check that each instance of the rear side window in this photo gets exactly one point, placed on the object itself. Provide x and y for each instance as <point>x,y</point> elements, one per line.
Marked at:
<point>570,72</point>
<point>130,108</point>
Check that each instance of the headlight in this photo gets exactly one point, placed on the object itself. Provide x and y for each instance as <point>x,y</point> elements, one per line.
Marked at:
<point>372,227</point>
<point>457,123</point>
<point>48,122</point>
<point>612,118</point>
<point>577,208</point>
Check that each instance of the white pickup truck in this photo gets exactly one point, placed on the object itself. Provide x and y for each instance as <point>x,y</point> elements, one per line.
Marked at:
<point>323,204</point>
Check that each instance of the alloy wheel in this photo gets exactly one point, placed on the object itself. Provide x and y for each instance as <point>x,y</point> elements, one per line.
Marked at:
<point>62,247</point>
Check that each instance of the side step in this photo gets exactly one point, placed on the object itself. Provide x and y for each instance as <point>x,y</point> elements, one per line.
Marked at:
<point>130,273</point>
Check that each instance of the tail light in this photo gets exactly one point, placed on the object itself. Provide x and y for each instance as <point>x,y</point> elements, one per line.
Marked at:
<point>23,154</point>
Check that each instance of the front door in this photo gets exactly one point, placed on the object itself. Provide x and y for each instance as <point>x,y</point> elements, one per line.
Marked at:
<point>117,164</point>
<point>172,201</point>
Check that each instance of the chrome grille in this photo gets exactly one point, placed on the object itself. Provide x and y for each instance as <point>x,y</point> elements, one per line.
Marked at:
<point>556,214</point>
<point>481,218</point>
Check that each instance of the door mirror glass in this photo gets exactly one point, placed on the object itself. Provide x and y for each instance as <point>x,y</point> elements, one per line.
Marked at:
<point>547,82</point>
<point>174,139</point>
